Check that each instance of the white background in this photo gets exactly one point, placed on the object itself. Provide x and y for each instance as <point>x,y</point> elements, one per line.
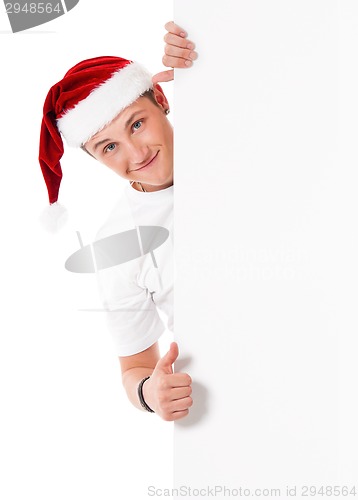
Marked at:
<point>273,137</point>
<point>67,430</point>
<point>266,243</point>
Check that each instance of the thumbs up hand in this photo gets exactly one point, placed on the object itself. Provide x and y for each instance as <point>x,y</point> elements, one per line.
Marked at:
<point>166,392</point>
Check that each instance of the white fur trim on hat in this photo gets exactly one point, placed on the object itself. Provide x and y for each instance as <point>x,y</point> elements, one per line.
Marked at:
<point>104,103</point>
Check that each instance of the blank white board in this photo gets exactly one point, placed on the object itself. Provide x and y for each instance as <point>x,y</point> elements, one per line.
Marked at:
<point>266,209</point>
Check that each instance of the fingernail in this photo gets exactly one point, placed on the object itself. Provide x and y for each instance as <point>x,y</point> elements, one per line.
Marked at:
<point>193,55</point>
<point>190,46</point>
<point>183,34</point>
<point>188,63</point>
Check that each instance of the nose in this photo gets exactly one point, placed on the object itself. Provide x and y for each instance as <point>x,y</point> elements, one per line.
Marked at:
<point>138,153</point>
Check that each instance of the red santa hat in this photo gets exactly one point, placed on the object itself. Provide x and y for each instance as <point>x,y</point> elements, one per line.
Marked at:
<point>88,98</point>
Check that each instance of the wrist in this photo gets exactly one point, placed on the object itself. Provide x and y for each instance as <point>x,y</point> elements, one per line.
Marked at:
<point>142,391</point>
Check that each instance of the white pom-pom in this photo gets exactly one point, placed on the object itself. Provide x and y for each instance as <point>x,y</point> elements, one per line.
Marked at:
<point>54,217</point>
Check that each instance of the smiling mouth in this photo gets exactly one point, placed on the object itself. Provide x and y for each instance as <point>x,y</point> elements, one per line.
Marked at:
<point>148,164</point>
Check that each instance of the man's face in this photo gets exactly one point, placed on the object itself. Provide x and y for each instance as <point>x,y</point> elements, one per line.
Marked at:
<point>138,145</point>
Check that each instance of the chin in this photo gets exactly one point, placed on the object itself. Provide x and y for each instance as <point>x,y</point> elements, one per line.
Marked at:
<point>159,180</point>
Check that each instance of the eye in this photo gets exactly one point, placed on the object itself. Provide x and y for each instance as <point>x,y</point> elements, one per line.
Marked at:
<point>137,125</point>
<point>109,148</point>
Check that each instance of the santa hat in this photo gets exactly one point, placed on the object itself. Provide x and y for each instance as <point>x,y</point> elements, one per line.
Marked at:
<point>88,98</point>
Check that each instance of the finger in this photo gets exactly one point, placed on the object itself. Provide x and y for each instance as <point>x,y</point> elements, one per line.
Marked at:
<point>178,41</point>
<point>176,415</point>
<point>164,76</point>
<point>175,62</point>
<point>180,392</point>
<point>179,380</point>
<point>165,363</point>
<point>174,28</point>
<point>181,404</point>
<point>171,50</point>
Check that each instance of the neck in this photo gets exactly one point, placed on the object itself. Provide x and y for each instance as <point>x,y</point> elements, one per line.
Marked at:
<point>148,188</point>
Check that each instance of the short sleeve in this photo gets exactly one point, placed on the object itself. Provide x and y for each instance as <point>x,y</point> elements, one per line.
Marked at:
<point>132,317</point>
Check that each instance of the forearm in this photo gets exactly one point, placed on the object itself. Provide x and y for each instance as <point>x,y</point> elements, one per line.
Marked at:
<point>131,379</point>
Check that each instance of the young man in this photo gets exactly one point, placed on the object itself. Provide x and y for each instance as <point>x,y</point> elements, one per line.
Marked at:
<point>114,110</point>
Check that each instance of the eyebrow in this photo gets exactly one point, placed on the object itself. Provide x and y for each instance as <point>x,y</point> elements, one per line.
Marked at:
<point>128,122</point>
<point>133,115</point>
<point>100,142</point>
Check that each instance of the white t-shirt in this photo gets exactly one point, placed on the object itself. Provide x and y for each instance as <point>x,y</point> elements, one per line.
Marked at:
<point>134,291</point>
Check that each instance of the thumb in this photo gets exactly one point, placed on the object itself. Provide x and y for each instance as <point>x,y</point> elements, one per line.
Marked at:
<point>165,363</point>
<point>164,76</point>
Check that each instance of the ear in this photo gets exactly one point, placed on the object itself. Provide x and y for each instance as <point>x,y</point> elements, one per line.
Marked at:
<point>160,97</point>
